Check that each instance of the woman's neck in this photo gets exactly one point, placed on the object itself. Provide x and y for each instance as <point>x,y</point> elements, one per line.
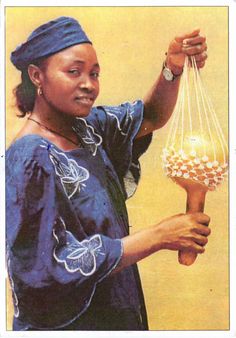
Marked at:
<point>53,125</point>
<point>52,119</point>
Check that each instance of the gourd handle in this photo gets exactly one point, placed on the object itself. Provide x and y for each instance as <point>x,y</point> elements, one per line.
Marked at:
<point>195,203</point>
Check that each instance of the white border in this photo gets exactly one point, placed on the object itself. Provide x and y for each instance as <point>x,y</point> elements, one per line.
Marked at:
<point>232,181</point>
<point>122,3</point>
<point>2,172</point>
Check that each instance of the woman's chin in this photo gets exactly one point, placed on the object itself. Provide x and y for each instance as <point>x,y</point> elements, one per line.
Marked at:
<point>83,113</point>
<point>80,111</point>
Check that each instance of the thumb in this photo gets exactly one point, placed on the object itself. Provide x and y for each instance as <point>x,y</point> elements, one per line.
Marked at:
<point>180,38</point>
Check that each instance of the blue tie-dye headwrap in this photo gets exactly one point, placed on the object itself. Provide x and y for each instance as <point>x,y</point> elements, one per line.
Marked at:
<point>48,39</point>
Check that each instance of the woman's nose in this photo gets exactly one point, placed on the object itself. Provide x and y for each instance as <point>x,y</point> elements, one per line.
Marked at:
<point>86,83</point>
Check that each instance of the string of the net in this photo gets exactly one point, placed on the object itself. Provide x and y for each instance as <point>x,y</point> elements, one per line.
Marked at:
<point>182,109</point>
<point>182,114</point>
<point>220,134</point>
<point>180,117</point>
<point>203,103</point>
<point>175,121</point>
<point>218,128</point>
<point>188,96</point>
<point>199,84</point>
<point>198,103</point>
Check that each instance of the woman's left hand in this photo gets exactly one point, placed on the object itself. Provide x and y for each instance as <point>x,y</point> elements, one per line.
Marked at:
<point>191,44</point>
<point>160,100</point>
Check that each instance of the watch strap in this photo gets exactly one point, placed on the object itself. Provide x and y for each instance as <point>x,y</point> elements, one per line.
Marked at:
<point>164,66</point>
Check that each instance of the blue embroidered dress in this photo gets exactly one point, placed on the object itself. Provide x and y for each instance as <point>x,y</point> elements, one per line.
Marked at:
<point>66,215</point>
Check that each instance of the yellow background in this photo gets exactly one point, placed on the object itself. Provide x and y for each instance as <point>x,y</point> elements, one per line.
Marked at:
<point>131,44</point>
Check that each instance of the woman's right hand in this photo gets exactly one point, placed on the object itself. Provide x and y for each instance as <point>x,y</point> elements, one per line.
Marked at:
<point>183,231</point>
<point>179,232</point>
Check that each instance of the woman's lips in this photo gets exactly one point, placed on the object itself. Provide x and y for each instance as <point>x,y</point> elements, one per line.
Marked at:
<point>84,100</point>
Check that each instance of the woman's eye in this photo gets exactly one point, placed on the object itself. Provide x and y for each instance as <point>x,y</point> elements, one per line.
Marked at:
<point>95,75</point>
<point>73,71</point>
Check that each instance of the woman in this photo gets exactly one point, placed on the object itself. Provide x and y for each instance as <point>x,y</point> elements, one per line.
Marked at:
<point>69,171</point>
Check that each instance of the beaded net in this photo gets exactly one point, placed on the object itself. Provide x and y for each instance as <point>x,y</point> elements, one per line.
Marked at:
<point>196,149</point>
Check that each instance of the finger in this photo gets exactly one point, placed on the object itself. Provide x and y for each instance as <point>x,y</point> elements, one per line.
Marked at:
<point>200,64</point>
<point>198,248</point>
<point>202,230</point>
<point>195,40</point>
<point>196,49</point>
<point>175,47</point>
<point>201,57</point>
<point>180,38</point>
<point>201,240</point>
<point>201,218</point>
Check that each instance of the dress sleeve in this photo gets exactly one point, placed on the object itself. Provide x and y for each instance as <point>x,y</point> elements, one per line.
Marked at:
<point>51,268</point>
<point>119,126</point>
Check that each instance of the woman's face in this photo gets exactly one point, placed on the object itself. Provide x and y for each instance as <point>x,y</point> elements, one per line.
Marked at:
<point>70,80</point>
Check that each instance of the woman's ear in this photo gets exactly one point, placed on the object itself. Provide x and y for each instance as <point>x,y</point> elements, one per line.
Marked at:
<point>35,75</point>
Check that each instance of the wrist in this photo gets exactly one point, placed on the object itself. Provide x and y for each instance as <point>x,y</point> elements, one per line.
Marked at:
<point>155,239</point>
<point>169,73</point>
<point>174,69</point>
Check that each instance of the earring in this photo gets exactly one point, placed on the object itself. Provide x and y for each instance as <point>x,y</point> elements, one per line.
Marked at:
<point>39,91</point>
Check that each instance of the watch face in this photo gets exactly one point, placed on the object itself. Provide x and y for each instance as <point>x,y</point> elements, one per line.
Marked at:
<point>167,74</point>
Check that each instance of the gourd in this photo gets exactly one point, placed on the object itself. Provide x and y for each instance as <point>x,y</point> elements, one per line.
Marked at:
<point>196,154</point>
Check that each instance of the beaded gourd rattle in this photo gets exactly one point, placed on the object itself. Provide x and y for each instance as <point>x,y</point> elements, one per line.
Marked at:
<point>195,155</point>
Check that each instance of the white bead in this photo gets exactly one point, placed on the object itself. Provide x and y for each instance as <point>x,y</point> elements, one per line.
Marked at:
<point>209,165</point>
<point>205,158</point>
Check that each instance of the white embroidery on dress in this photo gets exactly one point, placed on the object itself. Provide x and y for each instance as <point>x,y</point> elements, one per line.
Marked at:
<point>14,296</point>
<point>71,174</point>
<point>78,256</point>
<point>46,145</point>
<point>118,123</point>
<point>117,110</point>
<point>89,136</point>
